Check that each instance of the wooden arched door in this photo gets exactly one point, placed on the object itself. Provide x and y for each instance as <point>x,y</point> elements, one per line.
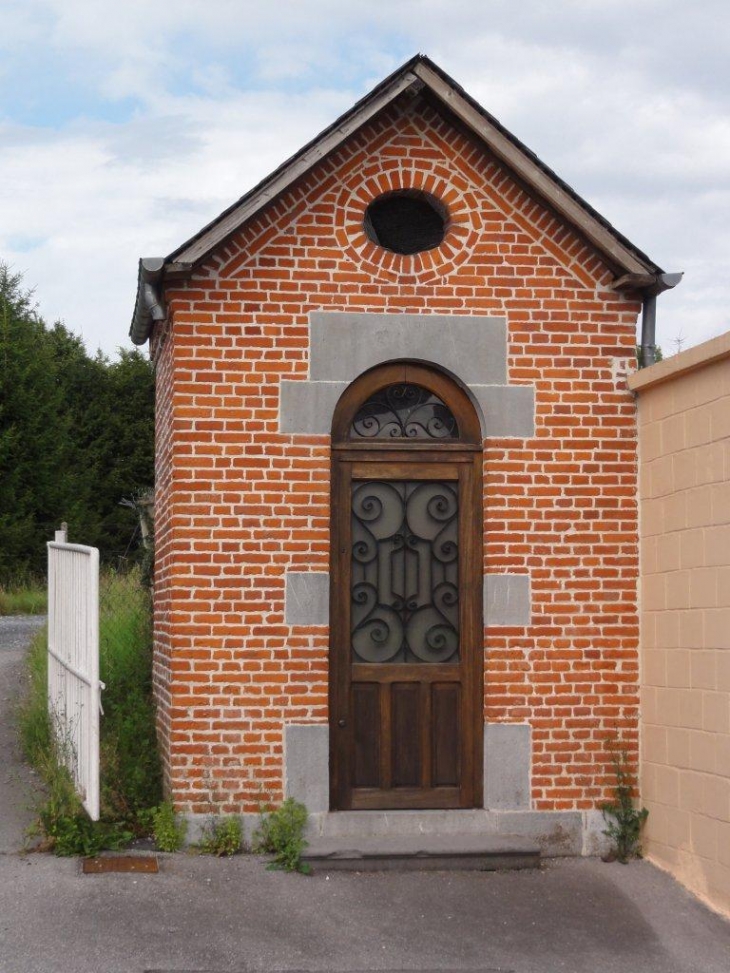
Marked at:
<point>406,645</point>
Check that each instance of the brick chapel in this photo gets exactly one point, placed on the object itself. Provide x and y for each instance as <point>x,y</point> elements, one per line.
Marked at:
<point>396,527</point>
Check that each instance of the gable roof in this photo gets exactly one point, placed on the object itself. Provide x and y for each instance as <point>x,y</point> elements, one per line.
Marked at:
<point>634,269</point>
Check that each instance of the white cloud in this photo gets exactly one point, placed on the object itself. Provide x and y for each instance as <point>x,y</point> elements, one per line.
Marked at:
<point>184,106</point>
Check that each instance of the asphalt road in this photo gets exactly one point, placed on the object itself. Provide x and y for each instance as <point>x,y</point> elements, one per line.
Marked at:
<point>203,915</point>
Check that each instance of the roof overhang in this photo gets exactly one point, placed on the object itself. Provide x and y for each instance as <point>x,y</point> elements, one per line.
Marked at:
<point>634,270</point>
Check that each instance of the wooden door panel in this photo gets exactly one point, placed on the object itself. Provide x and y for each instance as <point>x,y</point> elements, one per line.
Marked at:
<point>366,750</point>
<point>405,743</point>
<point>406,735</point>
<point>391,470</point>
<point>445,734</point>
<point>406,729</point>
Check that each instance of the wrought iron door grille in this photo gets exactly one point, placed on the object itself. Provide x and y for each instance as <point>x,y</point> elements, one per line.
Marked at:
<point>405,572</point>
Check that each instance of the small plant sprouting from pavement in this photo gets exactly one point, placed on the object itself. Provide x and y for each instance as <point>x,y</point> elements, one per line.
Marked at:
<point>222,836</point>
<point>168,828</point>
<point>623,821</point>
<point>281,833</point>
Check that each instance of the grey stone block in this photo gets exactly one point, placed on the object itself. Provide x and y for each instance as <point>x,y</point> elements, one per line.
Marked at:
<point>507,599</point>
<point>557,832</point>
<point>343,345</point>
<point>508,411</point>
<point>306,598</point>
<point>507,763</point>
<point>306,765</point>
<point>308,407</point>
<point>595,842</point>
<point>424,852</point>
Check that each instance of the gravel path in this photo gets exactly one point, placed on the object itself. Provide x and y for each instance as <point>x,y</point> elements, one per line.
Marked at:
<point>17,781</point>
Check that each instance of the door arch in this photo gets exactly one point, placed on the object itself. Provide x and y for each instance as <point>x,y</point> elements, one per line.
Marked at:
<point>406,642</point>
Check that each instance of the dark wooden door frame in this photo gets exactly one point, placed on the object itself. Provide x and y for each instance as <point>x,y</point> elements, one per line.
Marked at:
<point>461,462</point>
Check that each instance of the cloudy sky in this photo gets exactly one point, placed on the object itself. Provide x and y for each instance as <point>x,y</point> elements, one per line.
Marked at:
<point>126,125</point>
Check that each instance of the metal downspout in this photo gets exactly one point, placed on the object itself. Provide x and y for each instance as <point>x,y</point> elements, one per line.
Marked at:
<point>664,282</point>
<point>648,331</point>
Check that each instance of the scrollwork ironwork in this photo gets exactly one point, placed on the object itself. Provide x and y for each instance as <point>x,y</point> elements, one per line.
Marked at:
<point>404,590</point>
<point>404,411</point>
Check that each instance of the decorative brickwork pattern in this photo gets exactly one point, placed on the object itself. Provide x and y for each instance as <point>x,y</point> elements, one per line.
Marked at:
<point>239,503</point>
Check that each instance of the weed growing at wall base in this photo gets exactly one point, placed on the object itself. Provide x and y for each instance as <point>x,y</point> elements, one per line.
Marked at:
<point>281,834</point>
<point>222,836</point>
<point>623,821</point>
<point>168,828</point>
<point>67,828</point>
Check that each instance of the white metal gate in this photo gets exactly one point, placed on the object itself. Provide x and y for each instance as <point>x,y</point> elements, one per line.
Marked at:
<point>73,662</point>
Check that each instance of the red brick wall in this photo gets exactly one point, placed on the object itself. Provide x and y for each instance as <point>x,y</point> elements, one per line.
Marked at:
<point>238,502</point>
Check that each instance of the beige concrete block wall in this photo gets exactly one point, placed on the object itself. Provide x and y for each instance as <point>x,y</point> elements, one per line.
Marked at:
<point>684,446</point>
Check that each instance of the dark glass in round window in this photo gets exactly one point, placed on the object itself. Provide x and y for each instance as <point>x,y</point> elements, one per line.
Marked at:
<point>405,222</point>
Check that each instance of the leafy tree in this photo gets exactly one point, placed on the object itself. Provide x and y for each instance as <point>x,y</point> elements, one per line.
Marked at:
<point>76,437</point>
<point>119,445</point>
<point>34,435</point>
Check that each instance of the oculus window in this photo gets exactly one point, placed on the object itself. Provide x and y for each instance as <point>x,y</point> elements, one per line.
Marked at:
<point>406,222</point>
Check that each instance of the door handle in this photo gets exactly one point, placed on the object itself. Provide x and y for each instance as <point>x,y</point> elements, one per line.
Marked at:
<point>342,724</point>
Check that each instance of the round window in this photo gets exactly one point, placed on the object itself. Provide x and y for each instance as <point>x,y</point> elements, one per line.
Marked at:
<point>406,221</point>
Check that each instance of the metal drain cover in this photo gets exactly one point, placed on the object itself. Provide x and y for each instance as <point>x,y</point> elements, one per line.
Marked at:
<point>120,863</point>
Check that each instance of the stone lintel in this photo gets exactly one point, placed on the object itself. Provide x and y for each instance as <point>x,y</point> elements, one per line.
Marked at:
<point>343,345</point>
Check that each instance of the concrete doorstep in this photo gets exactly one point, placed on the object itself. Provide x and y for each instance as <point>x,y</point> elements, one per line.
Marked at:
<point>423,852</point>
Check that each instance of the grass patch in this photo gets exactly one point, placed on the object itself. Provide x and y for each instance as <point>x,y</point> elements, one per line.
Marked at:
<point>27,599</point>
<point>131,779</point>
<point>129,761</point>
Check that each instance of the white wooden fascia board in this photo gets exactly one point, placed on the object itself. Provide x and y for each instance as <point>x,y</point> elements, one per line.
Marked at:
<point>531,173</point>
<point>217,233</point>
